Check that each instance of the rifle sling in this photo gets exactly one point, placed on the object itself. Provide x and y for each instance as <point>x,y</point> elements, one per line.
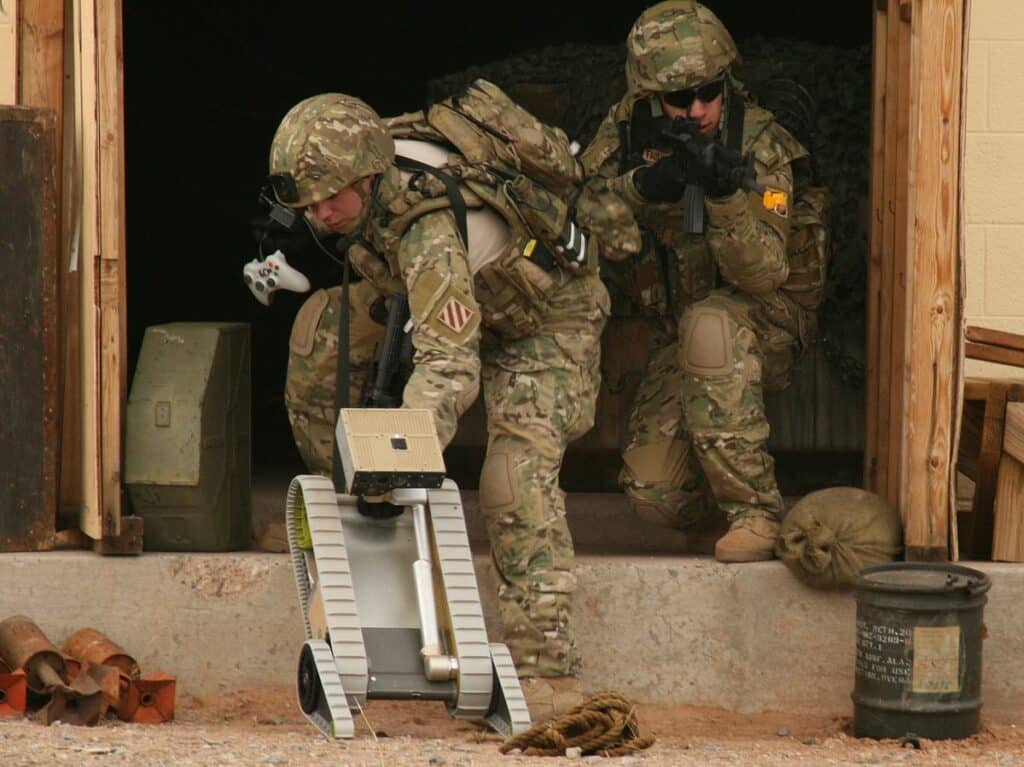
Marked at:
<point>343,374</point>
<point>734,122</point>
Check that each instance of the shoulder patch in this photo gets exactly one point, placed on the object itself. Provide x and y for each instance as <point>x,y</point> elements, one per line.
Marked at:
<point>455,314</point>
<point>447,311</point>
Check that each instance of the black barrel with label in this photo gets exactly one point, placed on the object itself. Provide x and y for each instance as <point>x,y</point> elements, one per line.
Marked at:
<point>919,633</point>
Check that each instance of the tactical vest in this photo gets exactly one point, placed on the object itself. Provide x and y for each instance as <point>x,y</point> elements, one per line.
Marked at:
<point>499,157</point>
<point>808,246</point>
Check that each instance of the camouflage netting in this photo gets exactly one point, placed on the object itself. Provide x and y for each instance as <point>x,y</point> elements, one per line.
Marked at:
<point>573,86</point>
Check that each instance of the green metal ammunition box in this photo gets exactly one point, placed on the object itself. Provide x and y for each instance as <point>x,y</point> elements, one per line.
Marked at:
<point>187,444</point>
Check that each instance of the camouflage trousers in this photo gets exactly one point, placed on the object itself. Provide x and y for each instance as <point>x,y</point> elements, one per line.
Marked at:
<point>697,440</point>
<point>540,393</point>
<point>312,367</point>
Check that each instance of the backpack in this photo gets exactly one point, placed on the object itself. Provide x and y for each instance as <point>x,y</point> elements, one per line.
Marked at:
<point>503,157</point>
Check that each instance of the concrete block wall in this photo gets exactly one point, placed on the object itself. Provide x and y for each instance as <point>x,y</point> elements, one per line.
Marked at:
<point>994,173</point>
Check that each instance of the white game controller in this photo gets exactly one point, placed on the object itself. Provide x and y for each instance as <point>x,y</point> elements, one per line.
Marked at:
<point>270,274</point>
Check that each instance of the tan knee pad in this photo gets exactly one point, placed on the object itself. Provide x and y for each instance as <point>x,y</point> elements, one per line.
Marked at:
<point>707,338</point>
<point>499,491</point>
<point>651,476</point>
<point>661,461</point>
<point>306,322</point>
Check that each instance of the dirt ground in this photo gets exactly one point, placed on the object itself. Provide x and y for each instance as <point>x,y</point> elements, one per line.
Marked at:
<point>264,727</point>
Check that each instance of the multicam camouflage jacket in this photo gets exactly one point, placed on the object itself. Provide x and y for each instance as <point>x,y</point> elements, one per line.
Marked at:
<point>744,245</point>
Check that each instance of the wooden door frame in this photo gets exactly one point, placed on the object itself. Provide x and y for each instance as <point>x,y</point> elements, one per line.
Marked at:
<point>916,271</point>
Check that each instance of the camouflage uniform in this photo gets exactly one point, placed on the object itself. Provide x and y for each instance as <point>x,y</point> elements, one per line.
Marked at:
<point>698,433</point>
<point>312,367</point>
<point>539,387</point>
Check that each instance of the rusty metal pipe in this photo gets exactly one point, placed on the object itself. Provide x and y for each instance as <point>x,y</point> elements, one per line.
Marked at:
<point>88,644</point>
<point>81,703</point>
<point>23,645</point>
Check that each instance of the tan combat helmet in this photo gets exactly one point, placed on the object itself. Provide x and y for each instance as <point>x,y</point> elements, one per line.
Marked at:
<point>325,144</point>
<point>677,44</point>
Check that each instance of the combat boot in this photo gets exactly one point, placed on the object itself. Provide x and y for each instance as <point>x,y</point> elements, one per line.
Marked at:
<point>750,539</point>
<point>548,697</point>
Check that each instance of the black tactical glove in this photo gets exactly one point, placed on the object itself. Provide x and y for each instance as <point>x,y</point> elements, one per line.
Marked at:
<point>271,236</point>
<point>718,171</point>
<point>663,181</point>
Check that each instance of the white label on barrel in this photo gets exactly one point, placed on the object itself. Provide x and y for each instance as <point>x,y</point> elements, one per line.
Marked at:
<point>882,653</point>
<point>936,659</point>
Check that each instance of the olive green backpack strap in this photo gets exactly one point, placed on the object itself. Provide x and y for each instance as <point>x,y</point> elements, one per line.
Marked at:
<point>451,186</point>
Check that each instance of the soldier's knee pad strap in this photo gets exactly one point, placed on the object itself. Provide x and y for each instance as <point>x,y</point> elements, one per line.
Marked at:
<point>306,322</point>
<point>661,461</point>
<point>498,489</point>
<point>707,337</point>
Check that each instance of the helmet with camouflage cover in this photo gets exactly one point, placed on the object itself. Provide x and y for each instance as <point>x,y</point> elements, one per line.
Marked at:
<point>677,44</point>
<point>326,143</point>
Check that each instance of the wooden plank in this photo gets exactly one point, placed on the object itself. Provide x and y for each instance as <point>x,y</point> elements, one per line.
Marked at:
<point>9,52</point>
<point>28,329</point>
<point>887,255</point>
<point>934,183</point>
<point>1008,537</point>
<point>1013,430</point>
<point>988,469</point>
<point>961,288</point>
<point>977,389</point>
<point>901,253</point>
<point>112,330</point>
<point>41,57</point>
<point>970,439</point>
<point>71,485</point>
<point>100,223</point>
<point>88,249</point>
<point>876,253</point>
<point>995,338</point>
<point>999,354</point>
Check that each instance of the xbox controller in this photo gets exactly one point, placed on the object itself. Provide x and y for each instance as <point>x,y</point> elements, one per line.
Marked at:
<point>271,274</point>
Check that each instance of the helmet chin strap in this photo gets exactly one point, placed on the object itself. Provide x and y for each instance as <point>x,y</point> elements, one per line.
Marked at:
<point>370,199</point>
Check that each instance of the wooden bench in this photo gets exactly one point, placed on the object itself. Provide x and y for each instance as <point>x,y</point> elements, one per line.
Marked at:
<point>992,452</point>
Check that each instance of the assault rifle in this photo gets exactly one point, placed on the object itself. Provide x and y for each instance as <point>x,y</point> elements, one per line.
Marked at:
<point>394,358</point>
<point>702,157</point>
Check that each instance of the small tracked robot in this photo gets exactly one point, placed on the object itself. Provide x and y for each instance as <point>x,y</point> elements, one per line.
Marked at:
<point>386,583</point>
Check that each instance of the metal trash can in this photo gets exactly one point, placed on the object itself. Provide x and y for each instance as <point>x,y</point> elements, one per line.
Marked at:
<point>919,634</point>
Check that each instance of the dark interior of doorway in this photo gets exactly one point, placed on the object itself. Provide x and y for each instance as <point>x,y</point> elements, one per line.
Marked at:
<point>207,83</point>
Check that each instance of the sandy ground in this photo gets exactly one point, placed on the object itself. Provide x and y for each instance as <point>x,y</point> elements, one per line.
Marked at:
<point>263,727</point>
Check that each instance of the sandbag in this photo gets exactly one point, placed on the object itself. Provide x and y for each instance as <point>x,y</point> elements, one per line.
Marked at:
<point>830,535</point>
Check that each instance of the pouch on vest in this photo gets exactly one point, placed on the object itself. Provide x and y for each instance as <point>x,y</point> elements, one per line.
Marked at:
<point>513,291</point>
<point>808,247</point>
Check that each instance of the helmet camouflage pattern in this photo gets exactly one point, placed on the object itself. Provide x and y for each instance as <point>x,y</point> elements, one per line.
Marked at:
<point>677,44</point>
<point>328,142</point>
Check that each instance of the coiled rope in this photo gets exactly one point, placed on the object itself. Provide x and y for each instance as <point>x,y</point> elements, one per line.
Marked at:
<point>605,724</point>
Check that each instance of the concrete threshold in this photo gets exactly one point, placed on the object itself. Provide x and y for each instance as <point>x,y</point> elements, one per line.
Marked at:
<point>660,629</point>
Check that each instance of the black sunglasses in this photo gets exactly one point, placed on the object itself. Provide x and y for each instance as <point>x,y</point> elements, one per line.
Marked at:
<point>706,92</point>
